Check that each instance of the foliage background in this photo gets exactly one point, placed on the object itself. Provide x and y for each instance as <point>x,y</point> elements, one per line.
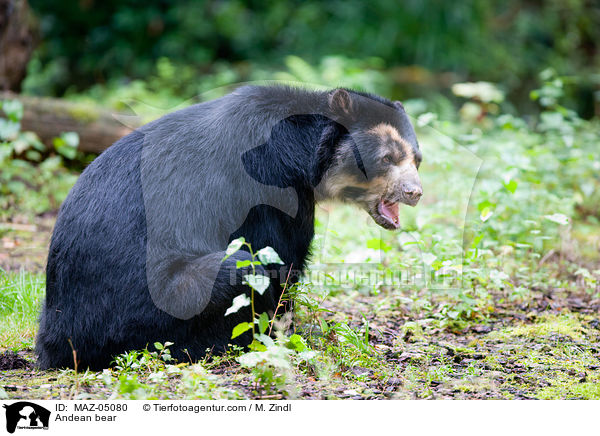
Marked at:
<point>420,46</point>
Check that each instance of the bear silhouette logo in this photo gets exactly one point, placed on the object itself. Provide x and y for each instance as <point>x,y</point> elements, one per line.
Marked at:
<point>26,415</point>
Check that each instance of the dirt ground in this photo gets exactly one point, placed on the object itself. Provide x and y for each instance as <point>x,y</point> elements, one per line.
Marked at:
<point>24,243</point>
<point>547,347</point>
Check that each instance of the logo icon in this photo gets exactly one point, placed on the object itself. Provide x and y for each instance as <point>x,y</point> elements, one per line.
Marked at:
<point>26,415</point>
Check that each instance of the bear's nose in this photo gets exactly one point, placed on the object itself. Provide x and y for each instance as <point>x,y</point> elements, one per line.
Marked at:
<point>412,191</point>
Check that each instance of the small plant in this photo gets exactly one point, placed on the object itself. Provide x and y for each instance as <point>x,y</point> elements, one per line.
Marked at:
<point>145,360</point>
<point>350,336</point>
<point>258,283</point>
<point>33,178</point>
<point>270,360</point>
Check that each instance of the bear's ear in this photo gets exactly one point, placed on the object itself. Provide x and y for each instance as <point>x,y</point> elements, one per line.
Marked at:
<point>399,106</point>
<point>340,103</point>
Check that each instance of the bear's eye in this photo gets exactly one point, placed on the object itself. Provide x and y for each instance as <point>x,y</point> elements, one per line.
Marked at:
<point>387,159</point>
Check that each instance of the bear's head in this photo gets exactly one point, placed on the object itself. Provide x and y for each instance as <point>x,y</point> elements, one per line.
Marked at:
<point>370,156</point>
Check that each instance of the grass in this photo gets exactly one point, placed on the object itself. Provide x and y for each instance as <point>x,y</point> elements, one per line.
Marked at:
<point>21,297</point>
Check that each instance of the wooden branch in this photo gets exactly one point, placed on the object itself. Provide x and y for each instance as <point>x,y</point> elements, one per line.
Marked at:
<point>98,128</point>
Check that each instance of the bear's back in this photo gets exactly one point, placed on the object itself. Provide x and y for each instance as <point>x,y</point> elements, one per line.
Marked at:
<point>98,249</point>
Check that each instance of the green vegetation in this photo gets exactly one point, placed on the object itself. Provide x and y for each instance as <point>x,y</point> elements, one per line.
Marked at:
<point>21,296</point>
<point>33,179</point>
<point>419,46</point>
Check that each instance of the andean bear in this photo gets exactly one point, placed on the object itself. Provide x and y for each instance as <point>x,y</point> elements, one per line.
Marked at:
<point>137,252</point>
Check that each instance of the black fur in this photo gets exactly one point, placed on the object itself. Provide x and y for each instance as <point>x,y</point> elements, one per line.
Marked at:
<point>97,296</point>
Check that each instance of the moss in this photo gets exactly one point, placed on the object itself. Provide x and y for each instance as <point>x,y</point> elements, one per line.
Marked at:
<point>560,391</point>
<point>564,324</point>
<point>84,113</point>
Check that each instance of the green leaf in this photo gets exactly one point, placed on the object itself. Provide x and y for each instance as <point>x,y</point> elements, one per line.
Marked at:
<point>238,302</point>
<point>269,256</point>
<point>71,139</point>
<point>257,282</point>
<point>13,110</point>
<point>250,360</point>
<point>240,329</point>
<point>257,346</point>
<point>426,118</point>
<point>242,263</point>
<point>158,346</point>
<point>307,355</point>
<point>5,151</point>
<point>33,140</point>
<point>266,340</point>
<point>486,213</point>
<point>482,91</point>
<point>484,204</point>
<point>511,186</point>
<point>378,244</point>
<point>428,258</point>
<point>8,129</point>
<point>477,240</point>
<point>245,263</point>
<point>234,246</point>
<point>66,144</point>
<point>33,155</point>
<point>275,356</point>
<point>453,314</point>
<point>297,343</point>
<point>558,218</point>
<point>263,322</point>
<point>324,326</point>
<point>20,145</point>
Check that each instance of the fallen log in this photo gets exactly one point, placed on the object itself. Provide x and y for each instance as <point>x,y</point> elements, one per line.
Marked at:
<point>96,126</point>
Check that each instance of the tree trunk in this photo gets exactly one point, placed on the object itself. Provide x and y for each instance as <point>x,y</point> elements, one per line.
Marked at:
<point>16,43</point>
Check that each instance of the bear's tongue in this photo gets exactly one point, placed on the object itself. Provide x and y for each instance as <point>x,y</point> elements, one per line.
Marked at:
<point>390,212</point>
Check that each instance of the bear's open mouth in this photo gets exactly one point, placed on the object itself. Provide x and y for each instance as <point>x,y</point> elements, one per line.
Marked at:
<point>389,212</point>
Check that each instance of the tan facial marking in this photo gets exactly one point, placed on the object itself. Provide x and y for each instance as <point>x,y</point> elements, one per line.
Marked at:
<point>385,132</point>
<point>405,171</point>
<point>336,183</point>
